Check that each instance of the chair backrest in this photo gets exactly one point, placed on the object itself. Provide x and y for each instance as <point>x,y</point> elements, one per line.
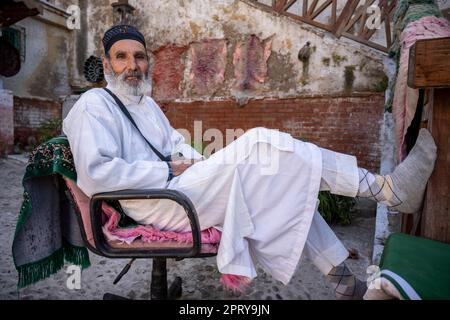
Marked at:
<point>82,202</point>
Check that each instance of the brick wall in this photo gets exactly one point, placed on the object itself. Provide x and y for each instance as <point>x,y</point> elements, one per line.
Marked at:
<point>6,122</point>
<point>29,114</point>
<point>345,124</point>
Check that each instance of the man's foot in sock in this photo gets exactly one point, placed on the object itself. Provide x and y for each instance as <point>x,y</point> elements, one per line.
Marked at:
<point>345,284</point>
<point>411,176</point>
<point>403,189</point>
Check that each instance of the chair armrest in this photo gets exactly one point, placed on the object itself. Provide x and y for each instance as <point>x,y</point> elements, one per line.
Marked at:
<point>111,252</point>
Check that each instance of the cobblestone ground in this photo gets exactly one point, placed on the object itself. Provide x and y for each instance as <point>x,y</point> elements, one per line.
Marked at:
<point>200,276</point>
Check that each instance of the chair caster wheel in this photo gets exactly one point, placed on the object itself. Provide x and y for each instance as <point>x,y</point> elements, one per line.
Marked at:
<point>175,289</point>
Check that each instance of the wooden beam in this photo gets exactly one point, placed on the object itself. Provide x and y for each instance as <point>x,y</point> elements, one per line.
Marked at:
<point>312,7</point>
<point>321,8</point>
<point>341,22</point>
<point>429,63</point>
<point>387,26</point>
<point>368,33</point>
<point>436,213</point>
<point>333,12</point>
<point>289,4</point>
<point>344,17</point>
<point>365,42</point>
<point>359,15</point>
<point>279,5</point>
<point>309,21</point>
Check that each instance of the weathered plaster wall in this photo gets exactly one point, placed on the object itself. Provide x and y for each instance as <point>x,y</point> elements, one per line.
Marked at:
<point>335,66</point>
<point>99,19</point>
<point>45,73</point>
<point>95,18</point>
<point>207,54</point>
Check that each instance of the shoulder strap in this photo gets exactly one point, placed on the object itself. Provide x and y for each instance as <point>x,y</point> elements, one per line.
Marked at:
<point>128,115</point>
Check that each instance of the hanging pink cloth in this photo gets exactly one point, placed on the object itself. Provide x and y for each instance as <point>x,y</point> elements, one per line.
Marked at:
<point>405,98</point>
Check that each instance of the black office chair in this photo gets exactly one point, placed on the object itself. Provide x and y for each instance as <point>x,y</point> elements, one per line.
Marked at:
<point>91,217</point>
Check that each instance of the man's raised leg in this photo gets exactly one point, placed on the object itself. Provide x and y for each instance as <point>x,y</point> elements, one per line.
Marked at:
<point>403,189</point>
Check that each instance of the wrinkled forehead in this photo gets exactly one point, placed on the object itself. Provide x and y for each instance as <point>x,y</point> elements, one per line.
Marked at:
<point>127,46</point>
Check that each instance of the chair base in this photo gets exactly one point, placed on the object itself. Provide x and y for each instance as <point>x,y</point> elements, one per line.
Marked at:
<point>158,287</point>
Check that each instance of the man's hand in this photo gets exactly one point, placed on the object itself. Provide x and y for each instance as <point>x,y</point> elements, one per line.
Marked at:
<point>179,166</point>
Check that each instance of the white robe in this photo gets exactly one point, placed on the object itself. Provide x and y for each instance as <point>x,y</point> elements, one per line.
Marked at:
<point>264,210</point>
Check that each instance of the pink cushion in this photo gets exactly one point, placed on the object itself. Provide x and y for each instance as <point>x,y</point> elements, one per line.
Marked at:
<point>139,236</point>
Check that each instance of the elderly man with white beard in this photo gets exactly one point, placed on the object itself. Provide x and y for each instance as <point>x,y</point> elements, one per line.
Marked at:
<point>269,216</point>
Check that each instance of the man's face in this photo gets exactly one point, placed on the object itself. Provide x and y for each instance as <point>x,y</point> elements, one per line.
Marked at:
<point>127,66</point>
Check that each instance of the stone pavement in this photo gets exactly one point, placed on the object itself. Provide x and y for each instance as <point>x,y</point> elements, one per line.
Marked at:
<point>200,276</point>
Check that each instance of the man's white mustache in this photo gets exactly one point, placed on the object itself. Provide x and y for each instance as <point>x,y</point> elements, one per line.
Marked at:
<point>120,83</point>
<point>136,74</point>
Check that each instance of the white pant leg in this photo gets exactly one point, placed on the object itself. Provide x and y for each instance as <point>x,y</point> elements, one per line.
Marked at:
<point>339,176</point>
<point>339,173</point>
<point>323,247</point>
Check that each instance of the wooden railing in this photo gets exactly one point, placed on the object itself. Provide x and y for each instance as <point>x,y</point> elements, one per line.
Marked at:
<point>365,21</point>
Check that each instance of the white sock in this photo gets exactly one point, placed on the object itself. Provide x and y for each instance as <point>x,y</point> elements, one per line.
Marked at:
<point>404,188</point>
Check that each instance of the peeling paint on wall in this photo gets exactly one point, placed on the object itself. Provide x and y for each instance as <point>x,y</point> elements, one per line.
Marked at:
<point>250,63</point>
<point>185,22</point>
<point>209,59</point>
<point>168,71</point>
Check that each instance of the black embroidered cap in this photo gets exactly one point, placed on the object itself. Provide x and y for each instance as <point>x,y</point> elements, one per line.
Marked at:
<point>121,32</point>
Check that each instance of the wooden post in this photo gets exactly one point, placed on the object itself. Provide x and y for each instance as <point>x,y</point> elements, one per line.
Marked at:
<point>436,214</point>
<point>429,67</point>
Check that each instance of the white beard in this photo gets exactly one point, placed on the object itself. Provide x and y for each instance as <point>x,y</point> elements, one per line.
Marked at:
<point>121,86</point>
